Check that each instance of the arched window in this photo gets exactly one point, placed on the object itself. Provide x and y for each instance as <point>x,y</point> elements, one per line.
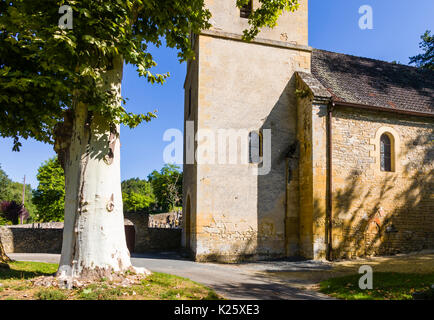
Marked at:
<point>385,150</point>
<point>386,153</point>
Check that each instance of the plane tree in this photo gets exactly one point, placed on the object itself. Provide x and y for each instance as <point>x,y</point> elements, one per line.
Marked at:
<point>61,65</point>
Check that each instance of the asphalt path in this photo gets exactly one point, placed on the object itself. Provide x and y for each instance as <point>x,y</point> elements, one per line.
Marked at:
<point>248,281</point>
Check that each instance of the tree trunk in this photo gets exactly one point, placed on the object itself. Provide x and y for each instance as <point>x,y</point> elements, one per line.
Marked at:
<point>4,259</point>
<point>94,243</point>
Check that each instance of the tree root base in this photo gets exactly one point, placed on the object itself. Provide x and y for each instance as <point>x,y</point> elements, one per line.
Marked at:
<point>4,265</point>
<point>130,277</point>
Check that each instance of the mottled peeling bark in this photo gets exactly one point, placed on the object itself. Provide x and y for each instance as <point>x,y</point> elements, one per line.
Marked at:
<point>94,243</point>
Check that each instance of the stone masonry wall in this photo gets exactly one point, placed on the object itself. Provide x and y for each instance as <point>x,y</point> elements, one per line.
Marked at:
<point>291,26</point>
<point>31,239</point>
<point>47,237</point>
<point>153,239</point>
<point>241,215</point>
<point>313,178</point>
<point>376,212</point>
<point>163,239</point>
<point>244,87</point>
<point>312,101</point>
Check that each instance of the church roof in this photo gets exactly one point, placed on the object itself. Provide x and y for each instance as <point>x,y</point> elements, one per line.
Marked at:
<point>366,82</point>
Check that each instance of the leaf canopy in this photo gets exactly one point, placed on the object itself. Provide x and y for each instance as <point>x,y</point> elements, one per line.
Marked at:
<point>49,197</point>
<point>43,67</point>
<point>426,59</point>
<point>167,186</point>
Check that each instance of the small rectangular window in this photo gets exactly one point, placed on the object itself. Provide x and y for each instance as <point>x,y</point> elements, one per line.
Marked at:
<point>246,10</point>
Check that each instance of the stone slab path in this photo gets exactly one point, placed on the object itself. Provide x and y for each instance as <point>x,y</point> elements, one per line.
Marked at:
<point>249,281</point>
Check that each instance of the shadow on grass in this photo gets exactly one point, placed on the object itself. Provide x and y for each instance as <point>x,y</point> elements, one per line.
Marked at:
<point>27,270</point>
<point>386,286</point>
<point>158,286</point>
<point>175,287</point>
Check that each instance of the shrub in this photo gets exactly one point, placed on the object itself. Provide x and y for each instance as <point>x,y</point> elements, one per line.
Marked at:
<point>12,211</point>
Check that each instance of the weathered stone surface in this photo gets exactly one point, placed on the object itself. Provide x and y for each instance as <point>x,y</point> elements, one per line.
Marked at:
<point>374,212</point>
<point>47,237</point>
<point>378,212</point>
<point>291,28</point>
<point>269,83</point>
<point>31,240</point>
<point>234,213</point>
<point>170,220</point>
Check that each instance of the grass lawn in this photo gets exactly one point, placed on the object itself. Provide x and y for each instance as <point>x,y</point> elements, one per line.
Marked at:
<point>15,284</point>
<point>386,286</point>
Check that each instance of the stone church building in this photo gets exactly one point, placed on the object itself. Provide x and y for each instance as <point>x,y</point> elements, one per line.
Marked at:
<point>349,143</point>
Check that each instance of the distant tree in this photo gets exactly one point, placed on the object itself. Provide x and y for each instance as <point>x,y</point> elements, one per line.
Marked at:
<point>4,186</point>
<point>13,212</point>
<point>49,197</point>
<point>426,59</point>
<point>135,202</point>
<point>137,185</point>
<point>167,185</point>
<point>4,217</point>
<point>13,191</point>
<point>16,194</point>
<point>137,195</point>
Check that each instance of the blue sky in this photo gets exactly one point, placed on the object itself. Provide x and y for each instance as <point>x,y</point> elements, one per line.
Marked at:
<point>333,25</point>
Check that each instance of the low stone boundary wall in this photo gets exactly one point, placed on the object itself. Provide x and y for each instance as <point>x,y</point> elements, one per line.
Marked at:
<point>169,220</point>
<point>31,240</point>
<point>153,239</point>
<point>163,239</point>
<point>47,237</point>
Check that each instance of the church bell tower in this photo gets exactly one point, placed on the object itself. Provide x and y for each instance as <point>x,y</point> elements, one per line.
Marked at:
<point>243,89</point>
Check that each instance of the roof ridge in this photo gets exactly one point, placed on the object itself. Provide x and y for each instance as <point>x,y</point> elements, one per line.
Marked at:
<point>368,81</point>
<point>372,59</point>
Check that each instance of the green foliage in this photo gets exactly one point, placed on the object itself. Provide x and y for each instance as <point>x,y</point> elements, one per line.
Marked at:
<point>425,60</point>
<point>137,195</point>
<point>266,15</point>
<point>4,184</point>
<point>4,221</point>
<point>13,192</point>
<point>13,212</point>
<point>167,185</point>
<point>45,70</point>
<point>16,194</point>
<point>49,197</point>
<point>136,185</point>
<point>135,202</point>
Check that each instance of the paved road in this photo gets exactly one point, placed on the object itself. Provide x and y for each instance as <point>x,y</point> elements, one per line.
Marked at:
<point>241,281</point>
